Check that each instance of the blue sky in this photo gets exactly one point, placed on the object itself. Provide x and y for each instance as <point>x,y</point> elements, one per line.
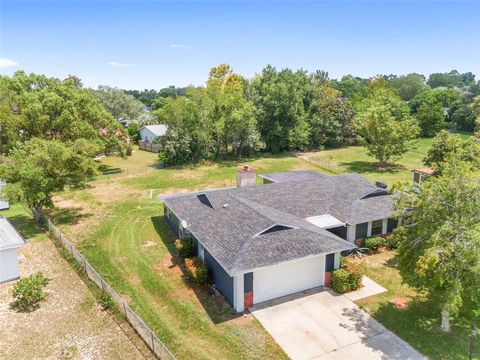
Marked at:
<point>152,44</point>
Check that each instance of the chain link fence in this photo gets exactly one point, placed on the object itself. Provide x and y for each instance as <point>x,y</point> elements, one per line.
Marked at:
<point>148,336</point>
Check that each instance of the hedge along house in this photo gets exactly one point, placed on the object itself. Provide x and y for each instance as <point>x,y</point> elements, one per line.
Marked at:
<point>10,240</point>
<point>264,242</point>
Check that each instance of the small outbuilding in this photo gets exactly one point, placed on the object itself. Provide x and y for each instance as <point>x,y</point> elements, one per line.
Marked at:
<point>150,133</point>
<point>3,203</point>
<point>420,174</point>
<point>10,240</point>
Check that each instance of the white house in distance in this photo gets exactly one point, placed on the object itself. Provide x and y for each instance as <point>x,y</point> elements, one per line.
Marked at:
<point>150,133</point>
<point>10,240</point>
<point>3,204</point>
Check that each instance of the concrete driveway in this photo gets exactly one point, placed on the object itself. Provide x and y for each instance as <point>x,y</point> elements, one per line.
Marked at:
<point>323,325</point>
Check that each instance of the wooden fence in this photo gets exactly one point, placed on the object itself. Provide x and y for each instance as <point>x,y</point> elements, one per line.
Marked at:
<point>152,341</point>
<point>143,145</point>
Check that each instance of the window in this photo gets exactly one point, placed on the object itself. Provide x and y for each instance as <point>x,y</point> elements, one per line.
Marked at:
<point>377,227</point>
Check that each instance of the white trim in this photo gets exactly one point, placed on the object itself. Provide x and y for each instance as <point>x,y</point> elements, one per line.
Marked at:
<point>384,227</point>
<point>272,226</point>
<point>369,229</point>
<point>238,293</point>
<point>336,262</point>
<point>287,262</point>
<point>351,233</point>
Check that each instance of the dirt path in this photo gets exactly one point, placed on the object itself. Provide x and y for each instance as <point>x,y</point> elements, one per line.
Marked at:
<point>69,323</point>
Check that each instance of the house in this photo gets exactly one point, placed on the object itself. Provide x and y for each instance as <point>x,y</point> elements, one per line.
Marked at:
<point>10,240</point>
<point>150,133</point>
<point>420,174</point>
<point>262,242</point>
<point>3,203</point>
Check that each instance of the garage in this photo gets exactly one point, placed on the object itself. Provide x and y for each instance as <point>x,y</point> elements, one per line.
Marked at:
<point>288,278</point>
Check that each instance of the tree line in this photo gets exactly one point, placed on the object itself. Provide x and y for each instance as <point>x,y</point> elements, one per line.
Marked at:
<point>286,110</point>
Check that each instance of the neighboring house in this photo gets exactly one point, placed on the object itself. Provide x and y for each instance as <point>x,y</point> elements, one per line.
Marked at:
<point>418,175</point>
<point>150,133</point>
<point>10,240</point>
<point>263,242</point>
<point>3,203</point>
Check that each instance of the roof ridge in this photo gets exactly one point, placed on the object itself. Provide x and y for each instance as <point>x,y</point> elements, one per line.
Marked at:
<point>312,229</point>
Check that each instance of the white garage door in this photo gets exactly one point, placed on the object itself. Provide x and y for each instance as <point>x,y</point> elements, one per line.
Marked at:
<point>289,278</point>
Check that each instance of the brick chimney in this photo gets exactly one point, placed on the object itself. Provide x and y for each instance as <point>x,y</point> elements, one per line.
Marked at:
<point>246,177</point>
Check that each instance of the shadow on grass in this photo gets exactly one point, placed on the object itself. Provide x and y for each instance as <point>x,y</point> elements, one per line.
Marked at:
<point>214,304</point>
<point>419,324</point>
<point>371,167</point>
<point>62,216</point>
<point>25,226</point>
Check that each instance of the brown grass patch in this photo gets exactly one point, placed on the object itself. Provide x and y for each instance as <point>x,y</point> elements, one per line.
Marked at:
<point>399,302</point>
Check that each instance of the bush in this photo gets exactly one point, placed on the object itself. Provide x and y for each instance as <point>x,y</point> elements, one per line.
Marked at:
<point>197,270</point>
<point>347,278</point>
<point>128,149</point>
<point>106,301</point>
<point>184,247</point>
<point>374,243</point>
<point>28,292</point>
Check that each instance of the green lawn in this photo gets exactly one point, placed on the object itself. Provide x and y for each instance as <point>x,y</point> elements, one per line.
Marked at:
<point>120,230</point>
<point>410,315</point>
<point>132,250</point>
<point>356,159</point>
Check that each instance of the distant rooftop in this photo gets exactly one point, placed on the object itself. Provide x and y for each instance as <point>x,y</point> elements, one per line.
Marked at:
<point>426,171</point>
<point>296,175</point>
<point>157,130</point>
<point>9,237</point>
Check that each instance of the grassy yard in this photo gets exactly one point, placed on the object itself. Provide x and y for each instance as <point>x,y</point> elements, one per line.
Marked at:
<point>117,223</point>
<point>356,159</point>
<point>410,315</point>
<point>120,229</point>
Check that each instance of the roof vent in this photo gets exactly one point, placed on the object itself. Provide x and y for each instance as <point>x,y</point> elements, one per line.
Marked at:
<point>225,206</point>
<point>275,228</point>
<point>204,200</point>
<point>381,185</point>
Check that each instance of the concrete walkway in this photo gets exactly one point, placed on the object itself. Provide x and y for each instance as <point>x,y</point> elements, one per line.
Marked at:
<point>368,288</point>
<point>326,326</point>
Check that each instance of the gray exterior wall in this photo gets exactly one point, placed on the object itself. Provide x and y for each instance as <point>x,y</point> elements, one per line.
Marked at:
<point>361,231</point>
<point>247,282</point>
<point>340,231</point>
<point>391,224</point>
<point>329,262</point>
<point>223,282</point>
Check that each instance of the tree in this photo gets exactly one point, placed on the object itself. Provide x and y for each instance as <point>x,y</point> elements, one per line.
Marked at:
<point>330,117</point>
<point>281,111</point>
<point>445,145</point>
<point>451,79</point>
<point>37,168</point>
<point>445,97</point>
<point>37,106</point>
<point>430,118</point>
<point>439,239</point>
<point>350,87</point>
<point>121,105</point>
<point>383,123</point>
<point>409,86</point>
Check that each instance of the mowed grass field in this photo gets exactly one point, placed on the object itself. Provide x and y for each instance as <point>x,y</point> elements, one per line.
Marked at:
<point>356,159</point>
<point>117,223</point>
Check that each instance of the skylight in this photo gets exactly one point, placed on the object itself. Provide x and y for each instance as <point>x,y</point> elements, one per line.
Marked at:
<point>325,221</point>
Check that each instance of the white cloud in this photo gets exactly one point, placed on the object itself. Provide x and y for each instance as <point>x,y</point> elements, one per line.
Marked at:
<point>117,64</point>
<point>4,63</point>
<point>181,46</point>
